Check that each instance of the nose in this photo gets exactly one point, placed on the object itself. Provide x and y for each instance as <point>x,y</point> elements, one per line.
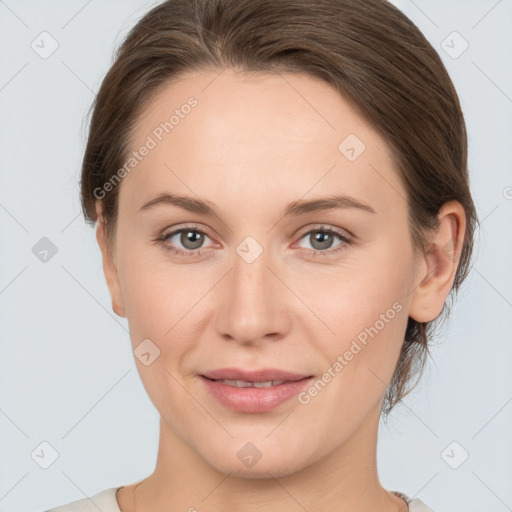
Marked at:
<point>252,302</point>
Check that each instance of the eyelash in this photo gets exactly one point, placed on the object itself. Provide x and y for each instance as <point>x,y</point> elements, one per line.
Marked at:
<point>198,252</point>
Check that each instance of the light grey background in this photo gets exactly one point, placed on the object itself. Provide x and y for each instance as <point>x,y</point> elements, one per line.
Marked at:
<point>67,374</point>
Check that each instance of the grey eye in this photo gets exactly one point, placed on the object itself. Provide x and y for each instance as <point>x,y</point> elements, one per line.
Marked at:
<point>321,239</point>
<point>190,239</point>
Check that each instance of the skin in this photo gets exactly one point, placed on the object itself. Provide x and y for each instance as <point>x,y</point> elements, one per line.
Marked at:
<point>254,143</point>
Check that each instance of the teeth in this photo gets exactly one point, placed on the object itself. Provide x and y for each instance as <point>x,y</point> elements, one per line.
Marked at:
<point>267,384</point>
<point>245,384</point>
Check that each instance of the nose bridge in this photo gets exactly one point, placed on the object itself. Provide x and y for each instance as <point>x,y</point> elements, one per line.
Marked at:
<point>249,307</point>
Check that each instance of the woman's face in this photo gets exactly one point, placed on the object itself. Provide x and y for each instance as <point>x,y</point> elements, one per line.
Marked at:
<point>260,288</point>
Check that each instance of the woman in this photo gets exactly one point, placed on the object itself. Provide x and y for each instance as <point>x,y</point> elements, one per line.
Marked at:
<point>282,205</point>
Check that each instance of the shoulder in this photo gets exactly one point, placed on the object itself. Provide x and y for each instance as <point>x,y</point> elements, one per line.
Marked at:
<point>104,500</point>
<point>415,505</point>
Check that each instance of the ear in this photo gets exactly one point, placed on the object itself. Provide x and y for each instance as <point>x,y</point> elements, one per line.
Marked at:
<point>438,264</point>
<point>109,264</point>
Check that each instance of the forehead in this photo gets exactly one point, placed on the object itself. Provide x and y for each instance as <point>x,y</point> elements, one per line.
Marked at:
<point>256,132</point>
<point>253,106</point>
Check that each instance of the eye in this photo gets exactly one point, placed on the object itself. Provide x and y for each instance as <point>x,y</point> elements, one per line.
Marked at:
<point>189,238</point>
<point>188,241</point>
<point>322,239</point>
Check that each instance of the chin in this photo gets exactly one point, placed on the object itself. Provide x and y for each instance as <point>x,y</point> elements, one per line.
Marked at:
<point>261,470</point>
<point>249,461</point>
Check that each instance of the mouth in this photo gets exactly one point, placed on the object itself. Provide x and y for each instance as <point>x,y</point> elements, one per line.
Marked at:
<point>248,384</point>
<point>254,396</point>
<point>265,375</point>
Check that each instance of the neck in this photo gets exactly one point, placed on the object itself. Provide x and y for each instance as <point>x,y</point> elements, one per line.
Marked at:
<point>344,480</point>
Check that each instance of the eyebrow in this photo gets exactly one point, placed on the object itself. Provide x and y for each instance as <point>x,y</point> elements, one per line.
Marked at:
<point>295,208</point>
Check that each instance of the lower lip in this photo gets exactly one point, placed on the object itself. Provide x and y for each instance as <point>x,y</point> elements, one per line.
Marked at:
<point>254,400</point>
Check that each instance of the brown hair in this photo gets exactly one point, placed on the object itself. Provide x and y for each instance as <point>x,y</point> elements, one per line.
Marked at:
<point>368,49</point>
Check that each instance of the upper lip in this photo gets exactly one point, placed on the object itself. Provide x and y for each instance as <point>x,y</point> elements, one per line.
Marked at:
<point>263,375</point>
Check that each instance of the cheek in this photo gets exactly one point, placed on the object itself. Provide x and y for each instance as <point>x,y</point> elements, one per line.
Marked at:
<point>159,300</point>
<point>366,308</point>
<point>361,287</point>
<point>153,290</point>
<point>365,302</point>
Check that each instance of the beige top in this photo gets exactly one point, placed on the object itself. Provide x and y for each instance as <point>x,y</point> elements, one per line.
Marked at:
<point>105,501</point>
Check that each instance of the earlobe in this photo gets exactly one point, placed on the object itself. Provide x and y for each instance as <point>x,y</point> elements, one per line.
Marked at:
<point>110,268</point>
<point>439,264</point>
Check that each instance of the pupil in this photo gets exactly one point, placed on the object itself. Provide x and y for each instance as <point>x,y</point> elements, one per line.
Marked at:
<point>323,238</point>
<point>191,237</point>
